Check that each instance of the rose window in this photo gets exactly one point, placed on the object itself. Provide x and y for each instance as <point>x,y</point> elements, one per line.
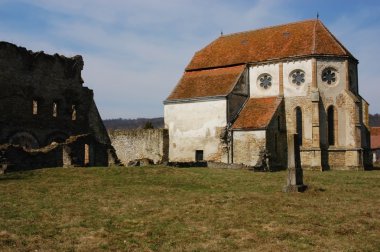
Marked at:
<point>265,81</point>
<point>298,77</point>
<point>329,76</point>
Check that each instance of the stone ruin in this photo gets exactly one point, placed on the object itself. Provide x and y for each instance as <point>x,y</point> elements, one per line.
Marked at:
<point>47,117</point>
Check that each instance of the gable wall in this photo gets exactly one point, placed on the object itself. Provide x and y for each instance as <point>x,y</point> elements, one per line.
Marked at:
<point>196,126</point>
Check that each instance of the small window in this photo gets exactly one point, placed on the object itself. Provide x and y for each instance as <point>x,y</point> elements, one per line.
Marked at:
<point>198,155</point>
<point>265,81</point>
<point>298,77</point>
<point>55,109</point>
<point>73,112</point>
<point>329,76</point>
<point>35,107</point>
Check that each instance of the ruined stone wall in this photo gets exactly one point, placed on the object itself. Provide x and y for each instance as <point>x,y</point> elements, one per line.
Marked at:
<point>42,100</point>
<point>47,79</point>
<point>76,151</point>
<point>141,143</point>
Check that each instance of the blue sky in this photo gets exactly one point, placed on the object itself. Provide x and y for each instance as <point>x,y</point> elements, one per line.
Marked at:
<point>135,51</point>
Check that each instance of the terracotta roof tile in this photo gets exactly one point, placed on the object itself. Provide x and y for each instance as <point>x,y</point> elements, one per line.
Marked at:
<point>203,83</point>
<point>257,113</point>
<point>304,38</point>
<point>375,137</point>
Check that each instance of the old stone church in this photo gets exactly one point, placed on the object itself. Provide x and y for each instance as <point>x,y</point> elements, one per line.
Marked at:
<point>246,93</point>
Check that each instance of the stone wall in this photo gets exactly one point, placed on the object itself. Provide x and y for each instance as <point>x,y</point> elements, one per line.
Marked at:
<point>247,146</point>
<point>43,101</point>
<point>141,143</point>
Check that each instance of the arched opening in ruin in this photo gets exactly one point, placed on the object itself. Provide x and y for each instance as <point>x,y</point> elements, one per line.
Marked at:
<point>24,139</point>
<point>56,137</point>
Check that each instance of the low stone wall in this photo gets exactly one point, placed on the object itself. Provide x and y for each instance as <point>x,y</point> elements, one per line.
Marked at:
<point>141,143</point>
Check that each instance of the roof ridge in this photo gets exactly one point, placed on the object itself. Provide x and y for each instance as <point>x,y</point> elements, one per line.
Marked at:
<point>264,28</point>
<point>314,36</point>
<point>344,50</point>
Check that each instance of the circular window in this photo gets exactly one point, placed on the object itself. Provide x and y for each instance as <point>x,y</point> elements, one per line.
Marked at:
<point>297,77</point>
<point>329,76</point>
<point>265,81</point>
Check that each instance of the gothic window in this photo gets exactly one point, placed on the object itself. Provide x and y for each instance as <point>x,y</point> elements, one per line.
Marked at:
<point>329,76</point>
<point>73,112</point>
<point>35,107</point>
<point>298,77</point>
<point>265,81</point>
<point>299,125</point>
<point>331,127</point>
<point>55,109</point>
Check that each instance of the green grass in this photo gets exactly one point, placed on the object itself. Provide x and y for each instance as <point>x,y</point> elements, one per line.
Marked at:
<point>192,209</point>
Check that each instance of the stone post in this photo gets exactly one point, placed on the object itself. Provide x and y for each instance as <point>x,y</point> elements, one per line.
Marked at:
<point>3,168</point>
<point>295,173</point>
<point>66,158</point>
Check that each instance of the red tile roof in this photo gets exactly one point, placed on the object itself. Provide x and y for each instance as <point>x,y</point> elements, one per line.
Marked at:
<point>375,137</point>
<point>212,82</point>
<point>257,113</point>
<point>304,38</point>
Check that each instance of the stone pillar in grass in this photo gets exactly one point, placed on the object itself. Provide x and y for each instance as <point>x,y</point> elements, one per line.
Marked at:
<point>66,156</point>
<point>294,172</point>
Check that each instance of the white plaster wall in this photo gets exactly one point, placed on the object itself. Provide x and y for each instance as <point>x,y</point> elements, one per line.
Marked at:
<point>255,71</point>
<point>291,89</point>
<point>247,146</point>
<point>195,126</point>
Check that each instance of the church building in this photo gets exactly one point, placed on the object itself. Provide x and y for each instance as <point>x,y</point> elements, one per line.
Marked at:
<point>246,93</point>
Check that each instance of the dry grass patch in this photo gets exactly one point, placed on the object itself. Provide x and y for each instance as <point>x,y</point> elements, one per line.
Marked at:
<point>193,209</point>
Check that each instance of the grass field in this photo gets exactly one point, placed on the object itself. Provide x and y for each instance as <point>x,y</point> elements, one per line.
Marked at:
<point>191,209</point>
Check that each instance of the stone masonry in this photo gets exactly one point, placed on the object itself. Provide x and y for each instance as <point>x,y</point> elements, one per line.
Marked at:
<point>43,102</point>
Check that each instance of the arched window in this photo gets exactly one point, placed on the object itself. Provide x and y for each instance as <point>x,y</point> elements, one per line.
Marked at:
<point>331,125</point>
<point>299,125</point>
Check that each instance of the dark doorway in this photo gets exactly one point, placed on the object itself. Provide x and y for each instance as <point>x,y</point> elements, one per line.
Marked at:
<point>198,155</point>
